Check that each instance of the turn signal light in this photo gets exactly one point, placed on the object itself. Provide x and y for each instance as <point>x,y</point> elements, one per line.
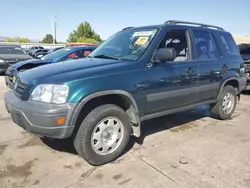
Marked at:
<point>60,121</point>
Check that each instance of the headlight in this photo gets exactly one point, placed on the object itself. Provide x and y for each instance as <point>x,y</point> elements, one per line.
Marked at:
<point>50,93</point>
<point>2,62</point>
<point>247,75</point>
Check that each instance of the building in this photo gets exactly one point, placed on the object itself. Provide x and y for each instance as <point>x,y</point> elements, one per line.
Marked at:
<point>239,39</point>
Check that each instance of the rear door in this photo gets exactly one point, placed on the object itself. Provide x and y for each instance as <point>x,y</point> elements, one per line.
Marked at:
<point>211,67</point>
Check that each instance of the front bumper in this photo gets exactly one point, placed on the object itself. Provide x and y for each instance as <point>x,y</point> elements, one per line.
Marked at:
<point>40,118</point>
<point>3,69</point>
<point>10,76</point>
<point>9,81</point>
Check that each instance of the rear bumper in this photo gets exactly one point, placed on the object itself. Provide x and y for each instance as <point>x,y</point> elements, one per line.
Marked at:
<point>40,118</point>
<point>247,85</point>
<point>242,83</point>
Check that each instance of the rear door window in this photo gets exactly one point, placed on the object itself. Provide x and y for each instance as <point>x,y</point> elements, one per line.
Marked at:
<point>205,46</point>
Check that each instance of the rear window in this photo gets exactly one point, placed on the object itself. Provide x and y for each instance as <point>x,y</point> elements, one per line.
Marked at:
<point>229,44</point>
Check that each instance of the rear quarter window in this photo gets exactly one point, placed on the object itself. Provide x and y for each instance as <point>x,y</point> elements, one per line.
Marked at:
<point>229,44</point>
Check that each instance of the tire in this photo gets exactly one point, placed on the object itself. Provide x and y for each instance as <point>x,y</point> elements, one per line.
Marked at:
<point>218,109</point>
<point>101,121</point>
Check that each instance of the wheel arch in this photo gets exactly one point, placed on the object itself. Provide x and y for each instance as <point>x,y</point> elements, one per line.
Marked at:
<point>234,81</point>
<point>131,108</point>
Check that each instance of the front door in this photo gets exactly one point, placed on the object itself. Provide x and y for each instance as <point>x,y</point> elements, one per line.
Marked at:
<point>172,85</point>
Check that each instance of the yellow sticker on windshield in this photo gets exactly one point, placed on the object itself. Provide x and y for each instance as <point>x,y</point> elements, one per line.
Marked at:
<point>141,41</point>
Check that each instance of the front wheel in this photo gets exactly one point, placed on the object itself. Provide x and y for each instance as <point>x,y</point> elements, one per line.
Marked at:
<point>226,104</point>
<point>103,134</point>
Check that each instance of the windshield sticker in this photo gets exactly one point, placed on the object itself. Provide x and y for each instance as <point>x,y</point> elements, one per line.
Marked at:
<point>144,33</point>
<point>141,41</point>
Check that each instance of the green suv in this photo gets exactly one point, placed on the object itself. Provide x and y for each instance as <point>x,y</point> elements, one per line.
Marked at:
<point>137,74</point>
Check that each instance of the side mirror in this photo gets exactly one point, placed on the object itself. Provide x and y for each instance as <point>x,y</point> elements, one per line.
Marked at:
<point>164,54</point>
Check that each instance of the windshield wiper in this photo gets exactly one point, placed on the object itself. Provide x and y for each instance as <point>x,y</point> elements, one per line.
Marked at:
<point>106,57</point>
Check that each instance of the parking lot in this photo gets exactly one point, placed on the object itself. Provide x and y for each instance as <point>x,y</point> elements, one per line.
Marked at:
<point>185,150</point>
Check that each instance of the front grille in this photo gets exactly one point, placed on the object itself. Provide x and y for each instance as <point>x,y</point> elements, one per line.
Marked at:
<point>19,88</point>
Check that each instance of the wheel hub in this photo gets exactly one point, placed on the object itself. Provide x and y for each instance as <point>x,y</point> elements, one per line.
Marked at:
<point>228,103</point>
<point>107,136</point>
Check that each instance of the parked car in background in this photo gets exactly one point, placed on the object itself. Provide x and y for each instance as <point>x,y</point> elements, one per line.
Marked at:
<point>245,54</point>
<point>135,75</point>
<point>55,49</point>
<point>15,45</point>
<point>80,44</point>
<point>9,55</point>
<point>39,55</point>
<point>34,52</point>
<point>32,48</point>
<point>38,52</point>
<point>63,54</point>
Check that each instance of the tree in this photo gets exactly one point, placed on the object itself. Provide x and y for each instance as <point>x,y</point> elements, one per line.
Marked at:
<point>48,39</point>
<point>18,39</point>
<point>84,33</point>
<point>72,36</point>
<point>86,40</point>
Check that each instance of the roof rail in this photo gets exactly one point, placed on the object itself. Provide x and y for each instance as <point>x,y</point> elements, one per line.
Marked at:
<point>127,28</point>
<point>192,23</point>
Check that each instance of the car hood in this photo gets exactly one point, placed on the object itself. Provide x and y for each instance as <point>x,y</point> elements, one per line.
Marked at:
<point>68,70</point>
<point>13,58</point>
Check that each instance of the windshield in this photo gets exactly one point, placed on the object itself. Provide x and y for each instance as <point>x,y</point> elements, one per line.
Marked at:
<point>127,44</point>
<point>56,54</point>
<point>11,50</point>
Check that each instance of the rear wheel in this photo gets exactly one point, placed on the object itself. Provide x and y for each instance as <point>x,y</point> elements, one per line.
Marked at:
<point>103,135</point>
<point>226,104</point>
